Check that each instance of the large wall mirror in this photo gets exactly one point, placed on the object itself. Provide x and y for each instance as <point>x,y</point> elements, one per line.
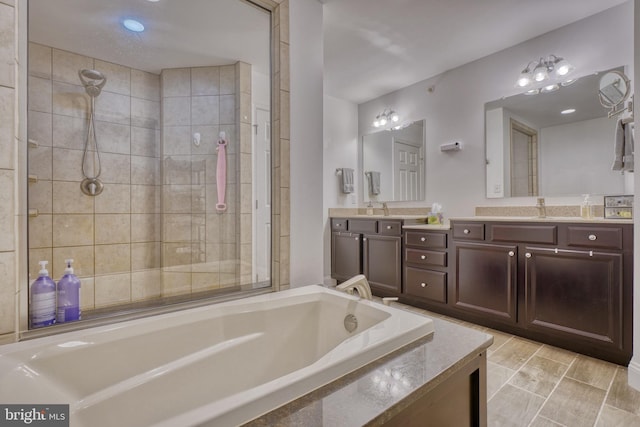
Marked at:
<point>559,143</point>
<point>394,164</point>
<point>127,131</point>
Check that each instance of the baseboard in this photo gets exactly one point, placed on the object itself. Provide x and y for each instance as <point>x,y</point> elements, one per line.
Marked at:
<point>634,373</point>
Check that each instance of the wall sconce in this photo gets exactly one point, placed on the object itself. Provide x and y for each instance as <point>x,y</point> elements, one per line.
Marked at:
<point>388,116</point>
<point>543,69</point>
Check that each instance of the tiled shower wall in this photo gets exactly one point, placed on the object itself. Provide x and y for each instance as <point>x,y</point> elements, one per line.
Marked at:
<point>154,230</point>
<point>114,237</point>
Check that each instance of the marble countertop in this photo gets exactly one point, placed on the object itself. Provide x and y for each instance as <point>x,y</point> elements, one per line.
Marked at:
<point>385,387</point>
<point>599,220</point>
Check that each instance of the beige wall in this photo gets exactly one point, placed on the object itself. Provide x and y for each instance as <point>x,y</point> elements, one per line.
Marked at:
<point>12,187</point>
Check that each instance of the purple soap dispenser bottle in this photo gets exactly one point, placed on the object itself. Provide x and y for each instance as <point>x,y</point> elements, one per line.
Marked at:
<point>42,309</point>
<point>68,295</point>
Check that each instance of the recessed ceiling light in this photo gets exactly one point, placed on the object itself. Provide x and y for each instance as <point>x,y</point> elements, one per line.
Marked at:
<point>568,111</point>
<point>133,25</point>
<point>550,88</point>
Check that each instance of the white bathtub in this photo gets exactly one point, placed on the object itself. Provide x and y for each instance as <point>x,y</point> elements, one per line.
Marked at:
<point>222,364</point>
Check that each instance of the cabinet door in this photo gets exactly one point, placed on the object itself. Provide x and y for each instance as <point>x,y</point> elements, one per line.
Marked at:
<point>485,280</point>
<point>346,255</point>
<point>383,263</point>
<point>575,294</point>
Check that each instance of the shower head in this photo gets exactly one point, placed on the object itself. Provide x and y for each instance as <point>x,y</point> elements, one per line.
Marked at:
<point>93,81</point>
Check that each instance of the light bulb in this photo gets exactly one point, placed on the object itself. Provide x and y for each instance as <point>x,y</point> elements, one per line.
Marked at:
<point>540,73</point>
<point>394,117</point>
<point>568,111</point>
<point>383,121</point>
<point>563,67</point>
<point>550,88</point>
<point>376,123</point>
<point>524,80</point>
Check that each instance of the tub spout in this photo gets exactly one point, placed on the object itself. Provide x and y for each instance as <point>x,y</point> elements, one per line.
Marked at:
<point>357,283</point>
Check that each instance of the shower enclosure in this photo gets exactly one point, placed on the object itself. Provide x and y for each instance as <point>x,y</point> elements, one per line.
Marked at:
<point>123,173</point>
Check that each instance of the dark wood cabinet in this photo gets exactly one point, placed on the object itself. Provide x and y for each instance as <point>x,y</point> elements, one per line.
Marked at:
<point>426,271</point>
<point>371,247</point>
<point>485,280</point>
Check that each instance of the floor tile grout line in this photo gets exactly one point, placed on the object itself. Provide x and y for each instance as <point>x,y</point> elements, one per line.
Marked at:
<point>606,395</point>
<point>564,375</point>
<point>515,372</point>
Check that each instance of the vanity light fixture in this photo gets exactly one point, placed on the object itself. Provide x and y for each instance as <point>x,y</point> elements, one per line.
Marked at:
<point>387,116</point>
<point>550,88</point>
<point>568,111</point>
<point>543,69</point>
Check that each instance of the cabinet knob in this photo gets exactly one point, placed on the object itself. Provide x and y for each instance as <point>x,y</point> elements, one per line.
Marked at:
<point>423,257</point>
<point>364,239</point>
<point>424,285</point>
<point>511,253</point>
<point>389,227</point>
<point>357,238</point>
<point>466,231</point>
<point>528,255</point>
<point>592,237</point>
<point>423,239</point>
<point>338,224</point>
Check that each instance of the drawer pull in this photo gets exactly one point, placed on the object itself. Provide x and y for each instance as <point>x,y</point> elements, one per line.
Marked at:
<point>466,231</point>
<point>357,239</point>
<point>511,253</point>
<point>338,224</point>
<point>423,239</point>
<point>388,227</point>
<point>424,285</point>
<point>590,253</point>
<point>592,237</point>
<point>528,255</point>
<point>423,257</point>
<point>364,239</point>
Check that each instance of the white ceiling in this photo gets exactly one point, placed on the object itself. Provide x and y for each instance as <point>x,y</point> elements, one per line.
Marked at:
<point>373,47</point>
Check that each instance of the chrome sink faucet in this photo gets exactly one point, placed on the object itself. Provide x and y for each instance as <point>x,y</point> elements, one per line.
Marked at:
<point>542,209</point>
<point>385,208</point>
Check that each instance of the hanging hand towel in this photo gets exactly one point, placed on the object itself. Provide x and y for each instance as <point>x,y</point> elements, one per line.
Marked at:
<point>347,180</point>
<point>374,182</point>
<point>627,160</point>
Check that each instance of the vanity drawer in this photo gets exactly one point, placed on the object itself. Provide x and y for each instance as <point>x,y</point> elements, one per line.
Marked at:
<point>468,231</point>
<point>524,233</point>
<point>426,240</point>
<point>426,284</point>
<point>595,237</point>
<point>338,224</point>
<point>365,226</point>
<point>390,228</point>
<point>426,258</point>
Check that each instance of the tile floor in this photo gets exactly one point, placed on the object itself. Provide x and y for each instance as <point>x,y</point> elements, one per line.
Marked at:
<point>530,384</point>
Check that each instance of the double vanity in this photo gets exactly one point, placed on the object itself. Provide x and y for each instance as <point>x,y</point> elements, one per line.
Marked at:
<point>564,281</point>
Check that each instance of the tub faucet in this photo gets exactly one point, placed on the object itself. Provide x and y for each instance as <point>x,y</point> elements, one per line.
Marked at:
<point>542,209</point>
<point>357,283</point>
<point>385,208</point>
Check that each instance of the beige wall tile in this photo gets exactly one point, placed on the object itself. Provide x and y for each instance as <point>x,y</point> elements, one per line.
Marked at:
<point>113,259</point>
<point>246,168</point>
<point>112,138</point>
<point>69,132</point>
<point>83,261</point>
<point>67,64</point>
<point>231,169</point>
<point>36,255</point>
<point>205,110</point>
<point>7,141</point>
<point>284,71</point>
<point>112,289</point>
<point>146,285</point>
<point>244,115</point>
<point>227,80</point>
<point>285,111</point>
<point>205,81</point>
<point>40,94</point>
<point>145,142</point>
<point>40,162</point>
<point>145,113</point>
<point>40,233</point>
<point>144,199</point>
<point>7,211</point>
<point>7,46</point>
<point>145,227</point>
<point>208,139</point>
<point>116,168</point>
<point>176,140</point>
<point>145,256</point>
<point>228,228</point>
<point>67,164</point>
<point>87,293</point>
<point>177,170</point>
<point>39,127</point>
<point>69,199</point>
<point>41,196</point>
<point>201,282</point>
<point>175,283</point>
<point>113,108</point>
<point>68,100</point>
<point>176,82</point>
<point>115,198</point>
<point>176,111</point>
<point>176,256</point>
<point>7,291</point>
<point>118,77</point>
<point>145,170</point>
<point>214,233</point>
<point>145,85</point>
<point>177,199</point>
<point>177,228</point>
<point>73,230</point>
<point>243,73</point>
<point>227,109</point>
<point>39,60</point>
<point>245,138</point>
<point>113,228</point>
